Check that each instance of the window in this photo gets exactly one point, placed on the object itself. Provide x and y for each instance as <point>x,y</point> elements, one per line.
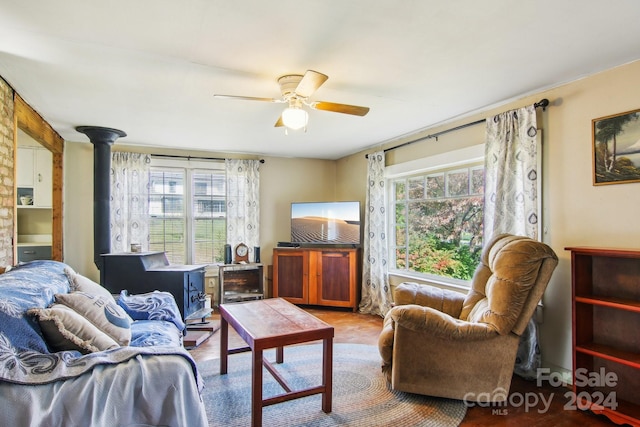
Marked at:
<point>187,212</point>
<point>209,220</point>
<point>436,218</point>
<point>166,208</point>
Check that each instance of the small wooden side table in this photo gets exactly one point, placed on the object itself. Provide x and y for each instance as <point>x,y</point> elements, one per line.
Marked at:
<point>275,323</point>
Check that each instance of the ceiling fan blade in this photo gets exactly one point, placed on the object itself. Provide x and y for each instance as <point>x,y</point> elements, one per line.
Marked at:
<point>340,108</point>
<point>310,82</point>
<point>247,98</point>
<point>279,123</point>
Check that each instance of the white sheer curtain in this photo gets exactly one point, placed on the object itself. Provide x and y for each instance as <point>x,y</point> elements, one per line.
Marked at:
<point>129,200</point>
<point>243,203</point>
<point>376,293</point>
<point>511,199</point>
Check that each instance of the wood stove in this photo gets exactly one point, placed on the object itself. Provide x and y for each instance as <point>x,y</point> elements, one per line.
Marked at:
<point>149,271</point>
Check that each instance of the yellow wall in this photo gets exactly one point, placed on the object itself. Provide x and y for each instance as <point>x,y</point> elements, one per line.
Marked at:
<point>574,213</point>
<point>282,180</point>
<point>286,180</point>
<point>78,208</point>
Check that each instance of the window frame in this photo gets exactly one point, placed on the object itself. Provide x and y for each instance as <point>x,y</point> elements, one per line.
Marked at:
<point>190,168</point>
<point>170,192</point>
<point>466,158</point>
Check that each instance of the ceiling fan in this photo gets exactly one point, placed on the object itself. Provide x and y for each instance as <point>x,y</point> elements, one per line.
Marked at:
<point>296,90</point>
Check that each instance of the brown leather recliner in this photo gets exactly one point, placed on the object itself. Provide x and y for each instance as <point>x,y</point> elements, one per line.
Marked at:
<point>442,343</point>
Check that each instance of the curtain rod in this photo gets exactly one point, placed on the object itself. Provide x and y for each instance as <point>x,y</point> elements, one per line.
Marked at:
<point>176,156</point>
<point>544,103</point>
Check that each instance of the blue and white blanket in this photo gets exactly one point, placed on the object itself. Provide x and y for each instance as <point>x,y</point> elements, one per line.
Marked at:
<point>25,357</point>
<point>27,286</point>
<point>153,381</point>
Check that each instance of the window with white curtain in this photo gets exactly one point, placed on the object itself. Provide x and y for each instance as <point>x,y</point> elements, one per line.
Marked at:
<point>187,210</point>
<point>436,216</point>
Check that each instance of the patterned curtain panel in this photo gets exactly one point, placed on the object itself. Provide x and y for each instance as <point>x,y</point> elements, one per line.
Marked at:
<point>376,292</point>
<point>511,199</point>
<point>129,201</point>
<point>243,203</point>
<point>511,175</point>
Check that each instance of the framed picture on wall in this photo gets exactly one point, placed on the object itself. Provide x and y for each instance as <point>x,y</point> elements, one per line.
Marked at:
<point>616,148</point>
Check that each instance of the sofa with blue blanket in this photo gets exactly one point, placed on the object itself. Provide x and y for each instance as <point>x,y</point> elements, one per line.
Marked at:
<point>71,354</point>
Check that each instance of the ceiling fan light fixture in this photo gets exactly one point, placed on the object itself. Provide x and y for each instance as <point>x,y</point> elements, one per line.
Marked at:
<point>295,118</point>
<point>296,89</point>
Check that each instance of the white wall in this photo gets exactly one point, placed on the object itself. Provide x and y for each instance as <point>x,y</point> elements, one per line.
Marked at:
<point>575,213</point>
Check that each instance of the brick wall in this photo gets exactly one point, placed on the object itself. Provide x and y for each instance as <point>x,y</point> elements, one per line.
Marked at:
<point>6,174</point>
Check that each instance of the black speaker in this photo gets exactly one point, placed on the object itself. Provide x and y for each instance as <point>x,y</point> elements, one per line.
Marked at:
<point>227,254</point>
<point>256,252</point>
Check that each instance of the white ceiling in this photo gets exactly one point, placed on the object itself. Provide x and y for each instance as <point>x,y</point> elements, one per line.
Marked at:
<point>151,67</point>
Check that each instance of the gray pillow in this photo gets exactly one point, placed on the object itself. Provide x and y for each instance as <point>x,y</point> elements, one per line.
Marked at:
<point>64,329</point>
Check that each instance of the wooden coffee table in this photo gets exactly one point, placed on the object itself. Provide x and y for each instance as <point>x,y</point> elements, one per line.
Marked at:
<point>275,323</point>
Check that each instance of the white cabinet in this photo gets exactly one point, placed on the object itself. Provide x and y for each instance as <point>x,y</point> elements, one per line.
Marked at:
<point>43,174</point>
<point>34,176</point>
<point>26,160</point>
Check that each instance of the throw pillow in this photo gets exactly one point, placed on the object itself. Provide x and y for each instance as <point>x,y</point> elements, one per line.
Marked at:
<point>81,283</point>
<point>102,312</point>
<point>64,329</point>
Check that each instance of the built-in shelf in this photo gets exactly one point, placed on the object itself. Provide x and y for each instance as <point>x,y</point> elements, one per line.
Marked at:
<point>33,207</point>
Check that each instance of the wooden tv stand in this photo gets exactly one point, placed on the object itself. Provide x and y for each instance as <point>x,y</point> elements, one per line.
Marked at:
<point>323,276</point>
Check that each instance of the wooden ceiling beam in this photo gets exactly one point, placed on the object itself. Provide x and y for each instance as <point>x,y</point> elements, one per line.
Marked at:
<point>36,127</point>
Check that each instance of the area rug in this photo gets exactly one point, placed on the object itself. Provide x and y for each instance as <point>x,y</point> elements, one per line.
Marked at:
<point>361,396</point>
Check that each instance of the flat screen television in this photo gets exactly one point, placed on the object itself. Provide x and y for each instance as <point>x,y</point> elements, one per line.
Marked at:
<point>325,223</point>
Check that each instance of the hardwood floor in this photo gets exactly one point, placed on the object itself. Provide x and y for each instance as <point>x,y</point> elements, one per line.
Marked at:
<point>530,405</point>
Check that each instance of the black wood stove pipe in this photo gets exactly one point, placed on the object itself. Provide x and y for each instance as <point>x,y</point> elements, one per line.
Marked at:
<point>102,140</point>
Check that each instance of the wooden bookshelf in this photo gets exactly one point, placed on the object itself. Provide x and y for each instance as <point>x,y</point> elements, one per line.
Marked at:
<point>606,316</point>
